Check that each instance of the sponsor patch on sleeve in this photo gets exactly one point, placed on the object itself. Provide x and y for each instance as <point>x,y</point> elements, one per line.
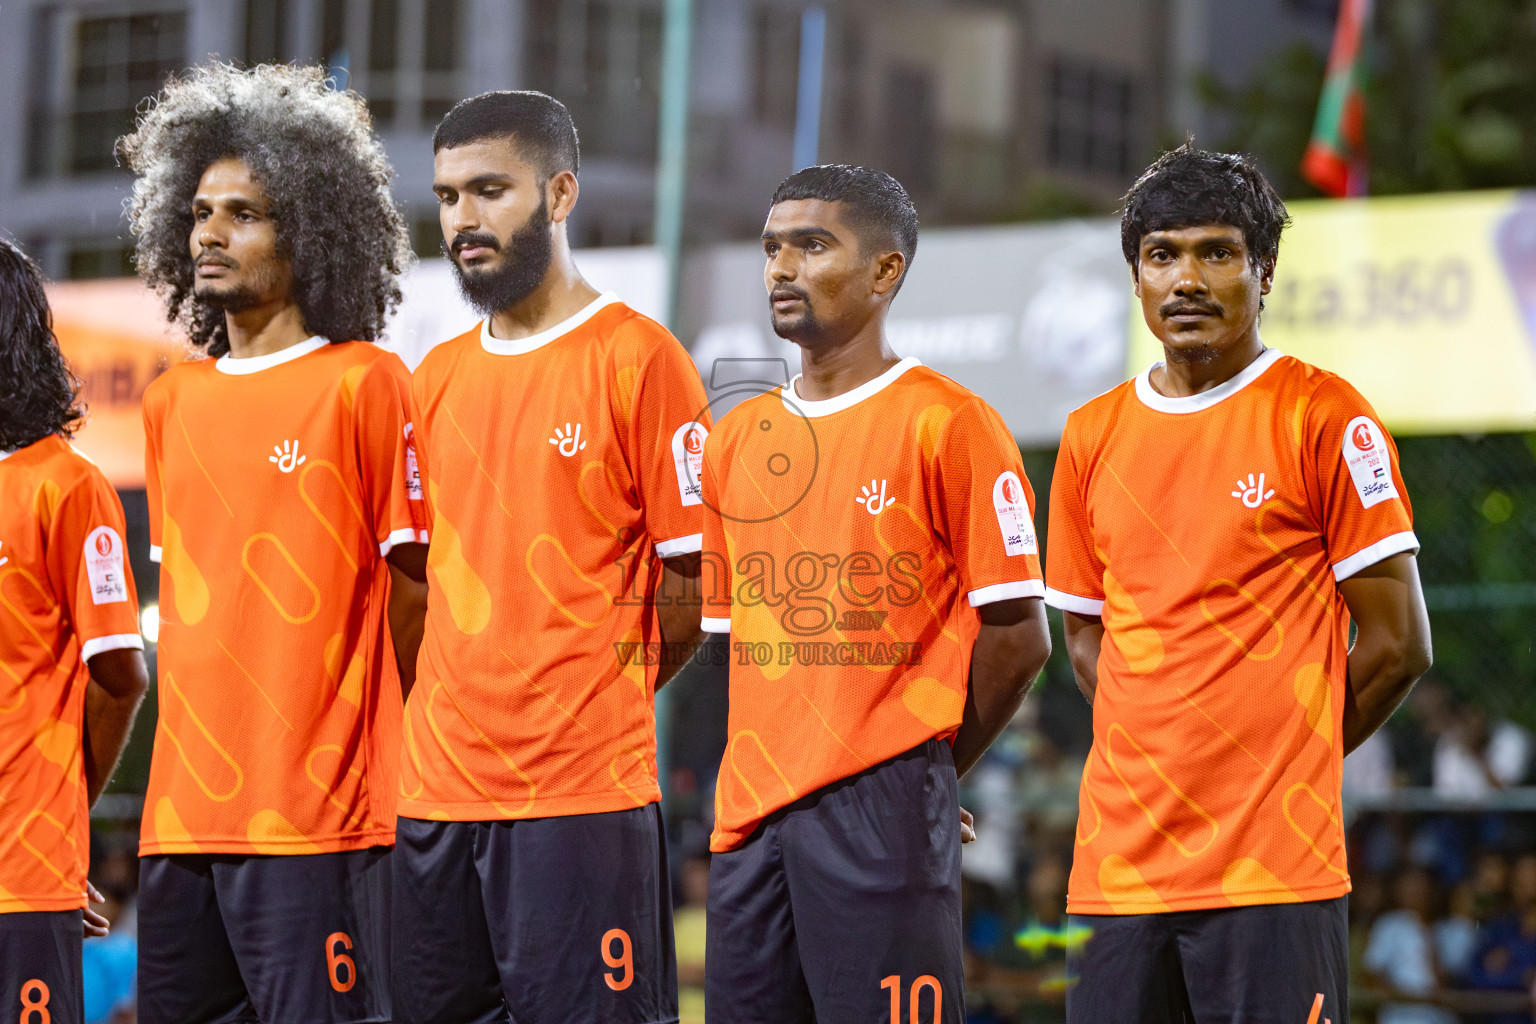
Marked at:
<point>412,471</point>
<point>1013,515</point>
<point>1369,461</point>
<point>104,566</point>
<point>688,459</point>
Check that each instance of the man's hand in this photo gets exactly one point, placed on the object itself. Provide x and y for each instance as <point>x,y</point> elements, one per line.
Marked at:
<point>1392,646</point>
<point>967,826</point>
<point>96,926</point>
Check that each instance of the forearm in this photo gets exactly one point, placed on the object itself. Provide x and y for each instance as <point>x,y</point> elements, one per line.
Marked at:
<point>678,610</point>
<point>1085,638</point>
<point>1381,674</point>
<point>108,722</point>
<point>1010,651</point>
<point>407,623</point>
<point>1392,645</point>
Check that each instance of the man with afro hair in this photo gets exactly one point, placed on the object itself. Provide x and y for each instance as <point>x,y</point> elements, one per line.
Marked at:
<point>283,499</point>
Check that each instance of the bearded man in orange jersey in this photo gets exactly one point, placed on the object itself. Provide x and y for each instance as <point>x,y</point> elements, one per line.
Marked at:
<point>1216,524</point>
<point>559,444</point>
<point>71,658</point>
<point>282,496</point>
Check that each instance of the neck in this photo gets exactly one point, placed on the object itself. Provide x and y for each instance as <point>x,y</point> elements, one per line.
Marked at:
<point>1177,378</point>
<point>265,329</point>
<point>561,295</point>
<point>836,369</point>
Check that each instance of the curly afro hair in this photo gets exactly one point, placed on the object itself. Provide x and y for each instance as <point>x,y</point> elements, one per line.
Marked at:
<point>325,175</point>
<point>1187,187</point>
<point>38,393</point>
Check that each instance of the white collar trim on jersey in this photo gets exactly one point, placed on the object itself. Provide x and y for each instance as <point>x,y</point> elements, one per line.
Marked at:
<point>255,364</point>
<point>522,346</point>
<point>848,399</point>
<point>1205,399</point>
<point>6,453</point>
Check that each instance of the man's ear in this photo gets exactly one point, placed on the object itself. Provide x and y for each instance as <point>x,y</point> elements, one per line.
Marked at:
<point>889,269</point>
<point>1136,279</point>
<point>561,193</point>
<point>1266,276</point>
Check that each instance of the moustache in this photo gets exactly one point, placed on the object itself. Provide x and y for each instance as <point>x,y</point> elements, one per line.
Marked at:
<point>785,291</point>
<point>465,239</point>
<point>1182,306</point>
<point>216,259</point>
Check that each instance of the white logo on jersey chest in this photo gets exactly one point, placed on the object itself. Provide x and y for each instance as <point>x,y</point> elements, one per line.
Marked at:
<point>568,442</point>
<point>1252,494</point>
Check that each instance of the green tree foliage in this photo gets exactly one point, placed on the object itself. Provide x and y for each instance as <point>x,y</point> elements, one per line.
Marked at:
<point>1450,100</point>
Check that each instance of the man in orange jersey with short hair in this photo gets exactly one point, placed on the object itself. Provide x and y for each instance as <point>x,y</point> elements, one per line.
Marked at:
<point>71,659</point>
<point>870,550</point>
<point>559,444</point>
<point>281,492</point>
<point>1216,523</point>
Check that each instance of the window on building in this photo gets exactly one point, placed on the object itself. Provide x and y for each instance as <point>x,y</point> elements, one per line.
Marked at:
<point>266,31</point>
<point>1090,124</point>
<point>603,59</point>
<point>775,63</point>
<point>117,62</point>
<point>111,257</point>
<point>405,57</point>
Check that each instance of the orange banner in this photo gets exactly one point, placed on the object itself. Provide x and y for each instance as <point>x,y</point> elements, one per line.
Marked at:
<point>114,334</point>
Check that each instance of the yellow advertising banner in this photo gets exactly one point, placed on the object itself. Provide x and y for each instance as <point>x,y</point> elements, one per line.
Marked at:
<point>114,334</point>
<point>1426,304</point>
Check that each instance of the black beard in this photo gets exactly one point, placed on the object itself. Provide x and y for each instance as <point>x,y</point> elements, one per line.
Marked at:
<point>229,300</point>
<point>525,261</point>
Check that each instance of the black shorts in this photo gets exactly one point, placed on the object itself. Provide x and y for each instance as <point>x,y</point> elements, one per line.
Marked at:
<point>40,967</point>
<point>301,939</point>
<point>1286,963</point>
<point>562,920</point>
<point>845,905</point>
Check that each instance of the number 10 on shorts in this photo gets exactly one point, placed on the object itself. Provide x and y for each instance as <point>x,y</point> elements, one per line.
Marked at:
<point>926,981</point>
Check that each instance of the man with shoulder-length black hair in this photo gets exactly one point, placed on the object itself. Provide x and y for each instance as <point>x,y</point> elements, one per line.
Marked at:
<point>282,496</point>
<point>559,444</point>
<point>71,658</point>
<point>1216,524</point>
<point>879,580</point>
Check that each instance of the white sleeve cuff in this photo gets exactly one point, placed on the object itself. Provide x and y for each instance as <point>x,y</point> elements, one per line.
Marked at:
<point>1385,548</point>
<point>710,625</point>
<point>1074,604</point>
<point>1006,591</point>
<point>681,546</point>
<point>154,552</point>
<point>402,536</point>
<point>115,642</point>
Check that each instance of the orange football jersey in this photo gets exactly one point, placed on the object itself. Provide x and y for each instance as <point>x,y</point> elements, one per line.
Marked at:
<point>557,468</point>
<point>847,543</point>
<point>276,486</point>
<point>1210,533</point>
<point>66,595</point>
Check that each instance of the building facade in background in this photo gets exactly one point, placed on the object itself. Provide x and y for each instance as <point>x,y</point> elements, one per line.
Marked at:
<point>988,110</point>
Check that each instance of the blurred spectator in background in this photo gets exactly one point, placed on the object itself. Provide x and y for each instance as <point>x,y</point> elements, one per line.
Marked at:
<point>1400,954</point>
<point>1505,959</point>
<point>1370,769</point>
<point>109,967</point>
<point>1473,758</point>
<point>110,964</point>
<point>1456,934</point>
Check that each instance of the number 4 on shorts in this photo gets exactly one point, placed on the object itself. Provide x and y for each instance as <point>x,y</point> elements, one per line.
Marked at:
<point>926,981</point>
